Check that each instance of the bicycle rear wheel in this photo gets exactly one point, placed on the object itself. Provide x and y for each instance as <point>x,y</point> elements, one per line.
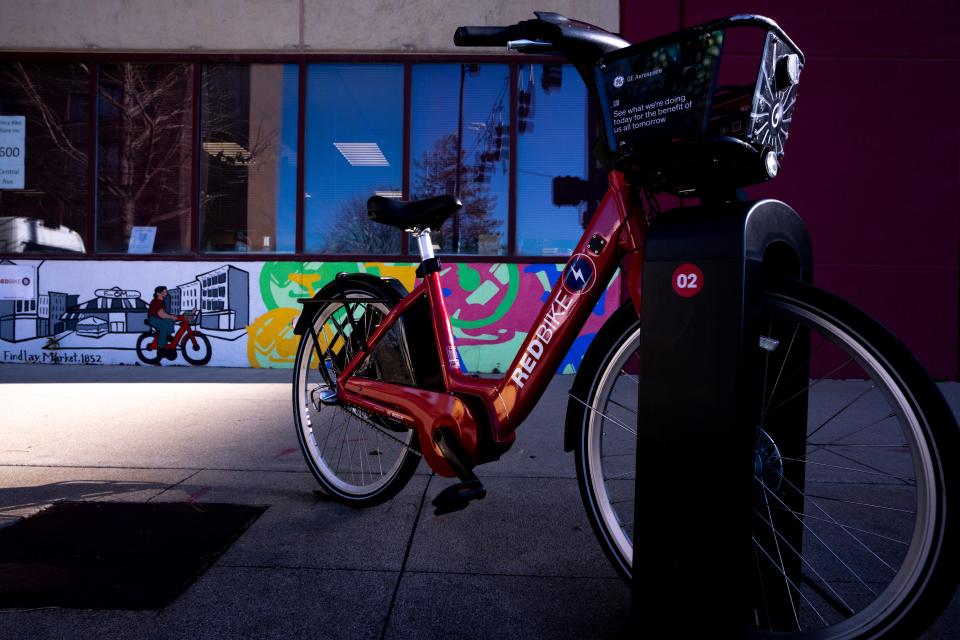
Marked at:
<point>358,458</point>
<point>147,354</point>
<point>853,528</point>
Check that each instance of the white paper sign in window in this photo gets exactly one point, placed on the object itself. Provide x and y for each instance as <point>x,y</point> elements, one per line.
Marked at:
<point>12,151</point>
<point>142,239</point>
<point>17,282</point>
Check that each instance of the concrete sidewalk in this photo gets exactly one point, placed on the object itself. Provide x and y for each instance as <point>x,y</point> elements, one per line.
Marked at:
<point>521,563</point>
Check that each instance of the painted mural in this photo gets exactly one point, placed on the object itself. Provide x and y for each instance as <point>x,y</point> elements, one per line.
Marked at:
<point>94,312</point>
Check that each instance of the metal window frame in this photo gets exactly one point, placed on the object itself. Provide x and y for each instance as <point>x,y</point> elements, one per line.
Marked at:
<point>93,59</point>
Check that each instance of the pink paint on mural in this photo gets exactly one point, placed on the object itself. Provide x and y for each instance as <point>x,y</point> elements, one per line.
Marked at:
<point>493,306</point>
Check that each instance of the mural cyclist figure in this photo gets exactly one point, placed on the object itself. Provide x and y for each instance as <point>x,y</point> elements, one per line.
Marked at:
<point>162,321</point>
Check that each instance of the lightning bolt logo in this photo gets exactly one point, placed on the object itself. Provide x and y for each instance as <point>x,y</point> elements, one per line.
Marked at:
<point>579,275</point>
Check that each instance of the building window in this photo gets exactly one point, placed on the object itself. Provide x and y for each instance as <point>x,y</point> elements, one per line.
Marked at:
<point>354,149</point>
<point>248,157</point>
<point>44,158</point>
<point>459,131</point>
<point>552,108</point>
<point>145,160</point>
<point>202,157</point>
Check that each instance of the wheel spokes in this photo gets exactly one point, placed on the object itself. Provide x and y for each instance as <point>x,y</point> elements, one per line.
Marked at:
<point>340,436</point>
<point>837,524</point>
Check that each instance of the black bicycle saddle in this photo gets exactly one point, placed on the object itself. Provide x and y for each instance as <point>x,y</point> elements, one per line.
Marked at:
<point>415,215</point>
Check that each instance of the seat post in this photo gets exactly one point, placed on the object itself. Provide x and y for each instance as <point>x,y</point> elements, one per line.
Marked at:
<point>424,243</point>
<point>428,262</point>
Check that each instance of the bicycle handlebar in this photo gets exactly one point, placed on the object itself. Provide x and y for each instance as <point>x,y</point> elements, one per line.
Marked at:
<point>481,37</point>
<point>548,33</point>
<point>579,42</point>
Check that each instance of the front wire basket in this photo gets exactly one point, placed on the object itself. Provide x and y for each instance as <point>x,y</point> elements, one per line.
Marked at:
<point>674,119</point>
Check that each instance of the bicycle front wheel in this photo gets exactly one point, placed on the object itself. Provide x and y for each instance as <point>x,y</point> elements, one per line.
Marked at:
<point>196,354</point>
<point>853,529</point>
<point>358,458</point>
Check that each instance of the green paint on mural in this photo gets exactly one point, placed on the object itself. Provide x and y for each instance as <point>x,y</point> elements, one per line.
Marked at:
<point>490,358</point>
<point>468,277</point>
<point>460,333</point>
<point>508,299</point>
<point>484,293</point>
<point>282,283</point>
<point>544,280</point>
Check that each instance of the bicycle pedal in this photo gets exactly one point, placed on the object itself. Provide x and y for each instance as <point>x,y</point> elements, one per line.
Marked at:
<point>456,497</point>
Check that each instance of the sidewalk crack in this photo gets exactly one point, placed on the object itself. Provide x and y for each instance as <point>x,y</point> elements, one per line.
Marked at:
<point>174,485</point>
<point>406,557</point>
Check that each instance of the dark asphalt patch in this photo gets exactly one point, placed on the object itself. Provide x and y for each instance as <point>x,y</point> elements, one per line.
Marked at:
<point>114,555</point>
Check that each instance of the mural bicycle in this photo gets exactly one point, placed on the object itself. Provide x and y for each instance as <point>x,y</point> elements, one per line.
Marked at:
<point>193,345</point>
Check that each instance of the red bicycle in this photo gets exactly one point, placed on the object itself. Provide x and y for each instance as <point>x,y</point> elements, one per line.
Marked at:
<point>871,493</point>
<point>194,346</point>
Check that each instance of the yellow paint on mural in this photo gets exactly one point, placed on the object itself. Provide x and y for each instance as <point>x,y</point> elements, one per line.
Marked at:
<point>305,280</point>
<point>271,342</point>
<point>405,273</point>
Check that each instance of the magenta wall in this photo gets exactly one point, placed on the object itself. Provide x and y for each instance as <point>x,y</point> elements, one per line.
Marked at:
<point>873,160</point>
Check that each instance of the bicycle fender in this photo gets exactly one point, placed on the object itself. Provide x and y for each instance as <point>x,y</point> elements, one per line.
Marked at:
<point>380,287</point>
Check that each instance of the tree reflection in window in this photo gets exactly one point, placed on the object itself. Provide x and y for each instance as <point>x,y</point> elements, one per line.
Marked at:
<point>146,155</point>
<point>49,214</point>
<point>459,139</point>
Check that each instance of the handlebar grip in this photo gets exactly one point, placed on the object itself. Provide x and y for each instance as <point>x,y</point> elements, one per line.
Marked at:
<point>481,37</point>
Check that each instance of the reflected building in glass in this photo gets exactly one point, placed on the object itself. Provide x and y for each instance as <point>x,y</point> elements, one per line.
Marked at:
<point>248,158</point>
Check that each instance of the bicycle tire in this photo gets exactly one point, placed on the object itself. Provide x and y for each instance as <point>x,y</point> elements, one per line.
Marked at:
<point>847,490</point>
<point>316,422</point>
<point>199,355</point>
<point>147,356</point>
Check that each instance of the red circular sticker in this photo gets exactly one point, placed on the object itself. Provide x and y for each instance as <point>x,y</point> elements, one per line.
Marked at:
<point>687,280</point>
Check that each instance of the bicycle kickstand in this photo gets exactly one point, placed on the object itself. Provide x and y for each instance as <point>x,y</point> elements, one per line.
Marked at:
<point>457,496</point>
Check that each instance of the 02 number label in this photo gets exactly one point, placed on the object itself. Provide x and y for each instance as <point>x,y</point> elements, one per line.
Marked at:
<point>687,280</point>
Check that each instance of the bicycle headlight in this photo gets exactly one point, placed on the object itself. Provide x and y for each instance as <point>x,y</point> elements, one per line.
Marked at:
<point>771,163</point>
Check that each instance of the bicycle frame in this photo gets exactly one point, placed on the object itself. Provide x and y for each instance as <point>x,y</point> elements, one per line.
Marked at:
<point>614,236</point>
<point>178,336</point>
